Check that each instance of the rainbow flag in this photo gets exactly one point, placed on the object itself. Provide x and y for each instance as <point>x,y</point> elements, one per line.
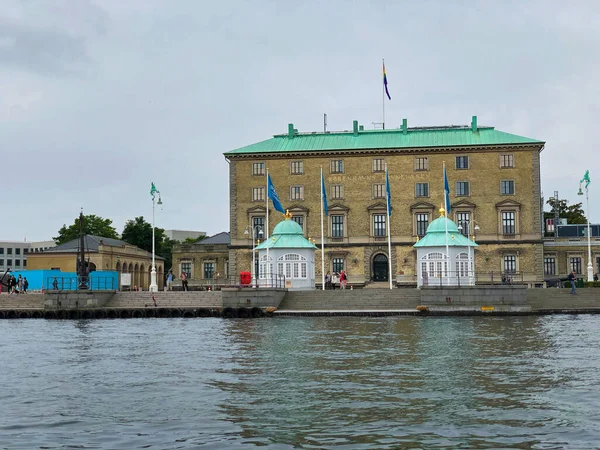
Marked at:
<point>385,82</point>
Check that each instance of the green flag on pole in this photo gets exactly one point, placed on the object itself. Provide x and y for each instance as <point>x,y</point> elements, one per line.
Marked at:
<point>153,190</point>
<point>586,178</point>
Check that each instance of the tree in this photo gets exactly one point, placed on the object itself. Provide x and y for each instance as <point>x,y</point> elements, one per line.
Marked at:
<point>92,225</point>
<point>138,232</point>
<point>573,213</point>
<point>192,240</point>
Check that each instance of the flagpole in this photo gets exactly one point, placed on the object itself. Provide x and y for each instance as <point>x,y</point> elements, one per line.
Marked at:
<point>322,238</point>
<point>389,225</point>
<point>266,233</point>
<point>446,200</point>
<point>383,96</point>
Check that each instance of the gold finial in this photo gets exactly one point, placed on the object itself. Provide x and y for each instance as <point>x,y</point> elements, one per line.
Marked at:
<point>417,238</point>
<point>287,214</point>
<point>442,211</point>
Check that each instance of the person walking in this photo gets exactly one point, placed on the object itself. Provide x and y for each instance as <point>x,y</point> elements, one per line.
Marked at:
<point>20,284</point>
<point>328,280</point>
<point>571,278</point>
<point>170,280</point>
<point>343,280</point>
<point>184,281</point>
<point>335,279</point>
<point>25,285</point>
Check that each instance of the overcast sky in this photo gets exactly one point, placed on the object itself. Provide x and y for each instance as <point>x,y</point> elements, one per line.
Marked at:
<point>99,98</point>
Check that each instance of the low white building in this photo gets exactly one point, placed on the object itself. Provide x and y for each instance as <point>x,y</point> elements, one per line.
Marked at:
<point>444,256</point>
<point>182,235</point>
<point>13,254</point>
<point>291,258</point>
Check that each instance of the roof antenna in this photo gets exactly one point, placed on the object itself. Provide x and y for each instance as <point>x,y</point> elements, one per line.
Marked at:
<point>325,123</point>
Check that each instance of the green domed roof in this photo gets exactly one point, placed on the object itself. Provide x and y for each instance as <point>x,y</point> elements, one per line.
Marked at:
<point>439,226</point>
<point>288,227</point>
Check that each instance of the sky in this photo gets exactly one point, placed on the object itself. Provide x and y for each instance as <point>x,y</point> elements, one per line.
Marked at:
<point>100,98</point>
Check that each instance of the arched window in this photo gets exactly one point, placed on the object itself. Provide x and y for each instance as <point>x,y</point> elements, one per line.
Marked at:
<point>434,264</point>
<point>292,265</point>
<point>462,264</point>
<point>262,267</point>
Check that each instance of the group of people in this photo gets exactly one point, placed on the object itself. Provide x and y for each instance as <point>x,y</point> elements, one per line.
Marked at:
<point>17,285</point>
<point>183,277</point>
<point>337,279</point>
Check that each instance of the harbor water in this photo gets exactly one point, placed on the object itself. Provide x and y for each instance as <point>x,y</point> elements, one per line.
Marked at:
<point>303,382</point>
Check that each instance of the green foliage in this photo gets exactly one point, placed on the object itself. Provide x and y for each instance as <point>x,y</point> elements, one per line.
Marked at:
<point>92,225</point>
<point>138,232</point>
<point>192,240</point>
<point>573,213</point>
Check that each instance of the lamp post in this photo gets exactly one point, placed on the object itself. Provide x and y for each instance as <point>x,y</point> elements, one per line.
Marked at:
<point>153,284</point>
<point>260,235</point>
<point>590,267</point>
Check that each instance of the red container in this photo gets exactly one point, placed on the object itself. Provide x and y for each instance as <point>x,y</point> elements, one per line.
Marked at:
<point>245,278</point>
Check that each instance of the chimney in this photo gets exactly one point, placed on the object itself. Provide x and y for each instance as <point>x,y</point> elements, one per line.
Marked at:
<point>474,124</point>
<point>404,126</point>
<point>355,127</point>
<point>361,128</point>
<point>291,130</point>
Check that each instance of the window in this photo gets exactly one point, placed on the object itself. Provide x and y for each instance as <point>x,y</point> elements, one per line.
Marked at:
<point>510,264</point>
<point>258,222</point>
<point>421,190</point>
<point>258,194</point>
<point>462,188</point>
<point>462,162</point>
<point>297,167</point>
<point>338,264</point>
<point>1,262</point>
<point>379,221</point>
<point>507,187</point>
<point>463,220</point>
<point>507,161</point>
<point>17,263</point>
<point>337,226</point>
<point>378,165</point>
<point>421,164</point>
<point>17,251</point>
<point>1,250</point>
<point>292,266</point>
<point>336,166</point>
<point>297,193</point>
<point>299,220</point>
<point>258,168</point>
<point>209,269</point>
<point>187,268</point>
<point>25,250</point>
<point>574,263</point>
<point>549,266</point>
<point>508,222</point>
<point>9,262</point>
<point>9,251</point>
<point>422,224</point>
<point>24,263</point>
<point>379,191</point>
<point>337,191</point>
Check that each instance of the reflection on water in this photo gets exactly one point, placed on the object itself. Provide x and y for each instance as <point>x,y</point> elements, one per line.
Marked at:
<point>327,382</point>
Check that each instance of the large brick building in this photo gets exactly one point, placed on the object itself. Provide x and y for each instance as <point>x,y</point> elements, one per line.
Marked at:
<point>495,195</point>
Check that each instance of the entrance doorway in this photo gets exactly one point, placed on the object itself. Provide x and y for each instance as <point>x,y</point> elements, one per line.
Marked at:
<point>380,268</point>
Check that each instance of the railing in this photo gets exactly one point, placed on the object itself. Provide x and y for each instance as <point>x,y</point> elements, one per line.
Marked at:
<point>76,283</point>
<point>204,284</point>
<point>468,278</point>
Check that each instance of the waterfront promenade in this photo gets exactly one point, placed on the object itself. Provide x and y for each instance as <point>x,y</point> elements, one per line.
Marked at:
<point>516,300</point>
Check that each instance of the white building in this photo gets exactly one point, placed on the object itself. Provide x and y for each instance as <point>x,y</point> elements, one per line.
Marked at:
<point>444,256</point>
<point>182,235</point>
<point>13,254</point>
<point>291,257</point>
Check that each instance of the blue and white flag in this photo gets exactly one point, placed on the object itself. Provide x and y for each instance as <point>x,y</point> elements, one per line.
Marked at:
<point>388,193</point>
<point>447,192</point>
<point>273,196</point>
<point>324,193</point>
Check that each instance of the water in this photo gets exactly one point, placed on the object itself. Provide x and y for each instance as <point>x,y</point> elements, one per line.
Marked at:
<point>326,382</point>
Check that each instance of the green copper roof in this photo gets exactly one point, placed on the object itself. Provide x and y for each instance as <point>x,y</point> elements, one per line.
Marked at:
<point>436,235</point>
<point>287,234</point>
<point>426,137</point>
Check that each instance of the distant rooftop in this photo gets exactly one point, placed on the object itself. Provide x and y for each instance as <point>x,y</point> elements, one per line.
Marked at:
<point>220,238</point>
<point>403,137</point>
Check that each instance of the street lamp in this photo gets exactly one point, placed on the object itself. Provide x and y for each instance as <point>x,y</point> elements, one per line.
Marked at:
<point>153,284</point>
<point>260,235</point>
<point>590,267</point>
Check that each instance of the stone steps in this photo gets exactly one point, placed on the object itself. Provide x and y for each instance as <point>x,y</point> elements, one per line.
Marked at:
<point>372,299</point>
<point>8,301</point>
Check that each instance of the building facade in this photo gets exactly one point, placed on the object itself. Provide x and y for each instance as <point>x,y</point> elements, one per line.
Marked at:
<point>206,262</point>
<point>103,254</point>
<point>495,195</point>
<point>568,251</point>
<point>13,254</point>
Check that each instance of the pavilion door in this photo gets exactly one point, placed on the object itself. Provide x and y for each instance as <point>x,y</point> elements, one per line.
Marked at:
<point>380,268</point>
